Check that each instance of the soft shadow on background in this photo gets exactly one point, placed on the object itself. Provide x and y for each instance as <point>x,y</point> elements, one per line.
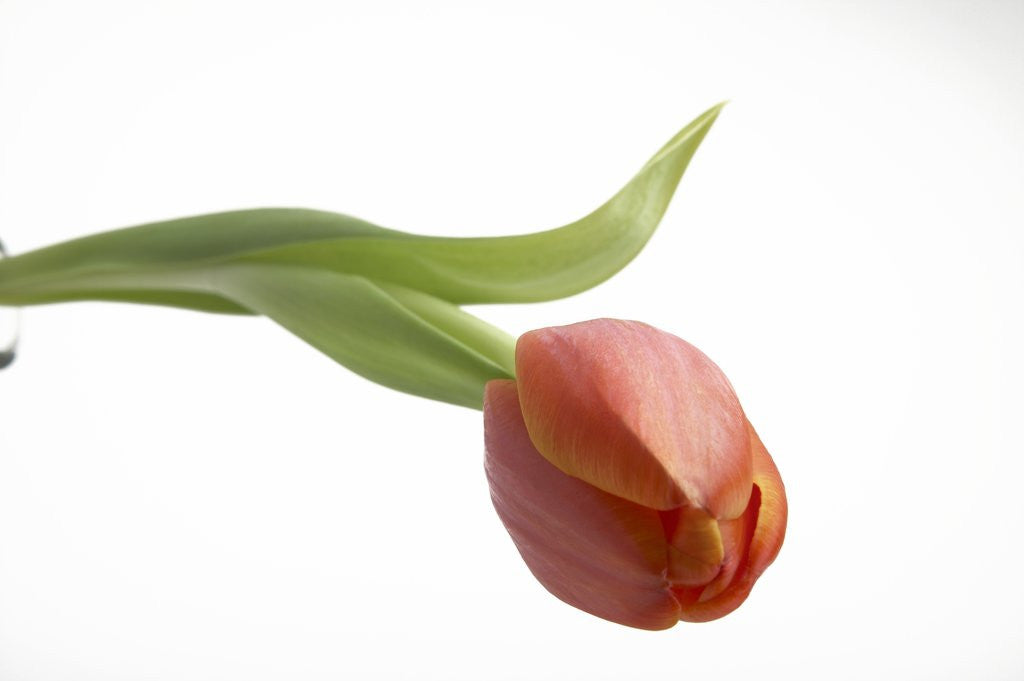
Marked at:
<point>186,496</point>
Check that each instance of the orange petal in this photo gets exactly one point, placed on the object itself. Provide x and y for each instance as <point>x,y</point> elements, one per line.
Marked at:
<point>751,543</point>
<point>637,412</point>
<point>593,550</point>
<point>695,548</point>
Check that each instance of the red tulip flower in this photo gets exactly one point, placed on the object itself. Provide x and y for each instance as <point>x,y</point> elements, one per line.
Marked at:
<point>628,476</point>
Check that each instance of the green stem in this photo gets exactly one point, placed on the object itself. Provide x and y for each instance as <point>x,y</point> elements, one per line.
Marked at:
<point>395,336</point>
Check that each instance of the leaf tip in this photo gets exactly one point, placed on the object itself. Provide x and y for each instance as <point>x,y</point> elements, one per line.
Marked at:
<point>708,117</point>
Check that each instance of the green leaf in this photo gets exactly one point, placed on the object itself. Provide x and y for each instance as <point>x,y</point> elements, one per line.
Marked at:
<point>136,263</point>
<point>514,269</point>
<point>401,339</point>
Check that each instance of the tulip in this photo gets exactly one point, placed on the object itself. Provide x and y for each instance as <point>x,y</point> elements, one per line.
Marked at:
<point>628,476</point>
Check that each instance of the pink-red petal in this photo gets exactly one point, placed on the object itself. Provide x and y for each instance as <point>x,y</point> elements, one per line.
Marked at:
<point>596,551</point>
<point>637,412</point>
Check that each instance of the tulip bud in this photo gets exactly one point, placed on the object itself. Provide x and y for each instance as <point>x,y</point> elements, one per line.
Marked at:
<point>628,476</point>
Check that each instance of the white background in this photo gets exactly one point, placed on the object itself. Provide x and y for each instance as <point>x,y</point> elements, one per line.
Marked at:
<point>191,496</point>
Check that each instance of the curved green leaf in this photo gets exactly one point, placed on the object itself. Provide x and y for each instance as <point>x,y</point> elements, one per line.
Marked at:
<point>403,339</point>
<point>137,263</point>
<point>382,334</point>
<point>526,268</point>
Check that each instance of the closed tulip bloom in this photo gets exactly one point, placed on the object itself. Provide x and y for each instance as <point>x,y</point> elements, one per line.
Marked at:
<point>628,476</point>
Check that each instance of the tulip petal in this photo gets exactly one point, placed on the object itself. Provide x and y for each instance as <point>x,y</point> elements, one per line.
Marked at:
<point>638,413</point>
<point>751,541</point>
<point>695,549</point>
<point>771,520</point>
<point>595,551</point>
